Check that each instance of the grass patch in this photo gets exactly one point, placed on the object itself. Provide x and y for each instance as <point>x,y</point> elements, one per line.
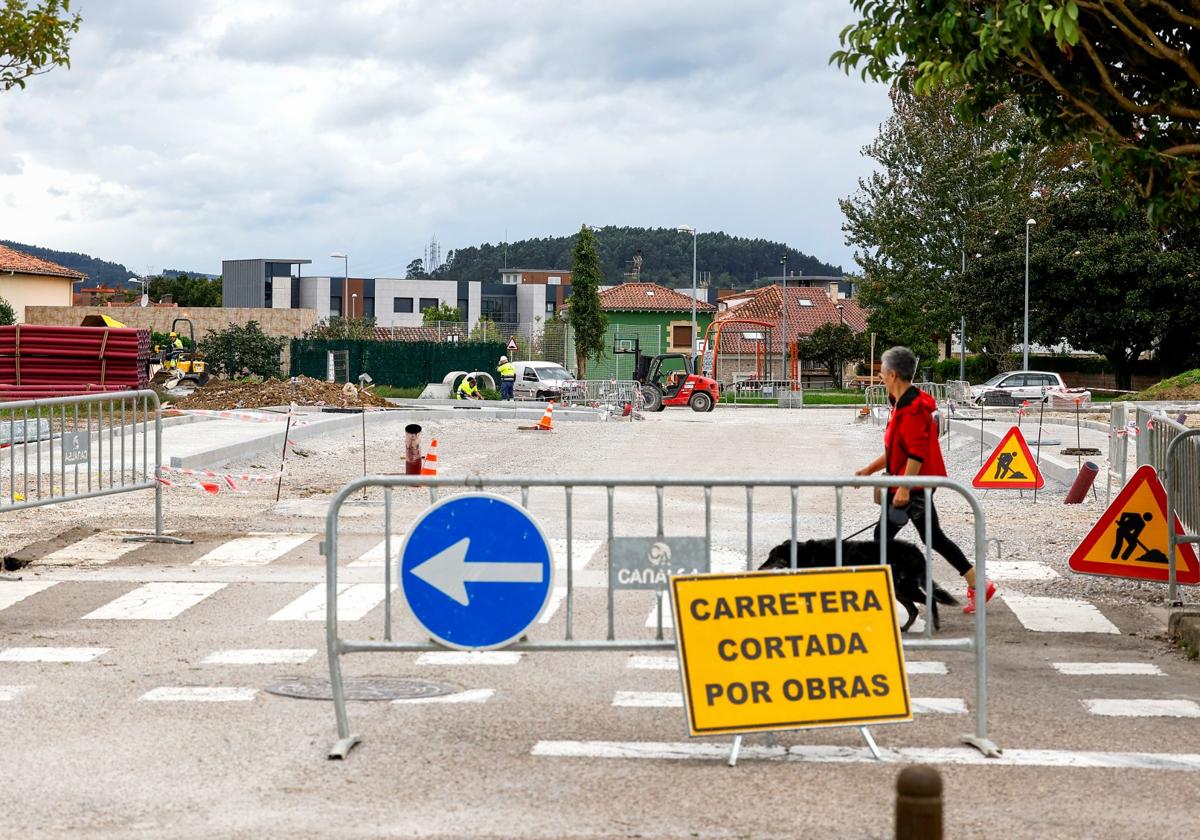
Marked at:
<point>390,392</point>
<point>1184,386</point>
<point>826,397</point>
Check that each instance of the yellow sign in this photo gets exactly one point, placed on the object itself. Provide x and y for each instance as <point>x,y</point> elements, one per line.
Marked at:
<point>789,650</point>
<point>1011,466</point>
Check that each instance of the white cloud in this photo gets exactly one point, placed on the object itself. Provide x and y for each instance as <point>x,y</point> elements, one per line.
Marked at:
<point>188,133</point>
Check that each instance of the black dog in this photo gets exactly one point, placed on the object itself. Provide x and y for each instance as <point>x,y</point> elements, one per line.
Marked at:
<point>907,562</point>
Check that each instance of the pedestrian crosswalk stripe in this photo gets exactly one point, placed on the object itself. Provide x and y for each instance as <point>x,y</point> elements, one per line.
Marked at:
<point>10,692</point>
<point>1006,570</point>
<point>155,601</point>
<point>264,656</point>
<point>648,699</point>
<point>15,591</point>
<point>470,657</point>
<point>939,706</point>
<point>668,617</point>
<point>1144,708</point>
<point>820,753</point>
<point>1057,615</point>
<point>374,556</point>
<point>200,694</point>
<point>51,654</point>
<point>355,600</point>
<point>653,663</point>
<point>556,598</point>
<point>253,550</point>
<point>475,695</point>
<point>1088,669</point>
<point>96,550</point>
<point>915,667</point>
<point>582,552</point>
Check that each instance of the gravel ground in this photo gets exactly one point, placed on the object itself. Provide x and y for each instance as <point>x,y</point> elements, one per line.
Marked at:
<point>739,443</point>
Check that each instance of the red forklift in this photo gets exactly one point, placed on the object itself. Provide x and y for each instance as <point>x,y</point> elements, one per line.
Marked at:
<point>669,379</point>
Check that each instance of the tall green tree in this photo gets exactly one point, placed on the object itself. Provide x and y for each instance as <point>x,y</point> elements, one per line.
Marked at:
<point>587,319</point>
<point>940,186</point>
<point>7,316</point>
<point>834,345</point>
<point>1101,278</point>
<point>1123,75</point>
<point>34,40</point>
<point>185,290</point>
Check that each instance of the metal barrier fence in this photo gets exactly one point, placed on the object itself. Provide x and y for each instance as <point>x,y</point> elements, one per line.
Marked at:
<point>572,491</point>
<point>69,448</point>
<point>876,397</point>
<point>610,394</point>
<point>1181,476</point>
<point>742,390</point>
<point>1119,432</point>
<point>958,391</point>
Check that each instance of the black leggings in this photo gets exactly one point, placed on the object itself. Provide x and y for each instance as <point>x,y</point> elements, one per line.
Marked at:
<point>942,544</point>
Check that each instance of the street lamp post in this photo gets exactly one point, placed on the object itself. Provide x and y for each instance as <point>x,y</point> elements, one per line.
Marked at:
<point>338,255</point>
<point>1025,344</point>
<point>694,233</point>
<point>783,263</point>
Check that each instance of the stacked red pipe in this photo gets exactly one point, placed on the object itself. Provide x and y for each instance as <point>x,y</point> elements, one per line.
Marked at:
<point>41,361</point>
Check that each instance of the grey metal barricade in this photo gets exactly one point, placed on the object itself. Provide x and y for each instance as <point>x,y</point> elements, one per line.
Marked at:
<point>69,448</point>
<point>1181,477</point>
<point>336,646</point>
<point>877,403</point>
<point>612,394</point>
<point>958,391</point>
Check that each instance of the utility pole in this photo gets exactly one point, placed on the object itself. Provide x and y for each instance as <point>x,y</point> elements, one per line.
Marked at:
<point>783,263</point>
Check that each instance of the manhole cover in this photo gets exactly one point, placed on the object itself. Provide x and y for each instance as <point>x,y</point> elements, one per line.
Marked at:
<point>362,688</point>
<point>1085,450</point>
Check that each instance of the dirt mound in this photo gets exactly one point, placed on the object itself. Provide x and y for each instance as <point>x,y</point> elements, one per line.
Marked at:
<point>225,394</point>
<point>1185,386</point>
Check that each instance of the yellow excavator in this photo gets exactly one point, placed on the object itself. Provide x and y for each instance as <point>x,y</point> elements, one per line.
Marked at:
<point>180,362</point>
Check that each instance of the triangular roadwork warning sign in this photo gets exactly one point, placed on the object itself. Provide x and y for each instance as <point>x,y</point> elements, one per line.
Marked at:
<point>1130,540</point>
<point>1010,466</point>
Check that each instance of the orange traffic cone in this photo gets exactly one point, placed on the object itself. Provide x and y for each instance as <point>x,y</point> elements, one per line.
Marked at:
<point>429,465</point>
<point>547,421</point>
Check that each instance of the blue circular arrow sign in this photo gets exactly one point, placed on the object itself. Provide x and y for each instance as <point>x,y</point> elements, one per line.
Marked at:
<point>476,571</point>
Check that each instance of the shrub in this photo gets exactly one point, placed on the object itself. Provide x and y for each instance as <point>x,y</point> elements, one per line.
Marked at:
<point>242,351</point>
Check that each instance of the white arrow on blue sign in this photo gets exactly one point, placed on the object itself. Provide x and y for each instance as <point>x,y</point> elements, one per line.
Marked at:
<point>476,571</point>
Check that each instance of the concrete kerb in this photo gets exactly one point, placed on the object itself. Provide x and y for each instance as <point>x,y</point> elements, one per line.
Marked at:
<point>1183,625</point>
<point>1052,466</point>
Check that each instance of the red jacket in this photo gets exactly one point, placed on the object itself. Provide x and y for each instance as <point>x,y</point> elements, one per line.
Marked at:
<point>912,433</point>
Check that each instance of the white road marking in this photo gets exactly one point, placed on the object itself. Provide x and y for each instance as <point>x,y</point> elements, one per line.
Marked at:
<point>648,699</point>
<point>653,663</point>
<point>1089,669</point>
<point>582,553</point>
<point>355,600</point>
<point>374,557</point>
<point>253,550</point>
<point>264,656</point>
<point>10,692</point>
<point>96,550</point>
<point>470,657</point>
<point>1057,615</point>
<point>668,617</point>
<point>155,601</point>
<point>51,654</point>
<point>939,706</point>
<point>1019,570</point>
<point>938,668</point>
<point>1144,708</point>
<point>556,598</point>
<point>199,694</point>
<point>475,695</point>
<point>14,591</point>
<point>715,751</point>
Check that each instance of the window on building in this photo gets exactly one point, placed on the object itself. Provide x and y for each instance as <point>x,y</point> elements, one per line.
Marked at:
<point>549,309</point>
<point>509,279</point>
<point>402,304</point>
<point>463,305</point>
<point>429,303</point>
<point>501,310</point>
<point>554,280</point>
<point>681,335</point>
<point>335,306</point>
<point>368,307</point>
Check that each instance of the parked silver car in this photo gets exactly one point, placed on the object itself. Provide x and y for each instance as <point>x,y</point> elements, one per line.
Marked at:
<point>1021,385</point>
<point>539,380</point>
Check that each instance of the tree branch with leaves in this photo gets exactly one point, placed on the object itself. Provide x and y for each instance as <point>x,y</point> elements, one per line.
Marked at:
<point>34,40</point>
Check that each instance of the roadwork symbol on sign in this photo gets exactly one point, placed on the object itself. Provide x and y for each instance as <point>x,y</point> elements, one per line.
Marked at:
<point>1130,540</point>
<point>512,344</point>
<point>476,571</point>
<point>789,650</point>
<point>1010,466</point>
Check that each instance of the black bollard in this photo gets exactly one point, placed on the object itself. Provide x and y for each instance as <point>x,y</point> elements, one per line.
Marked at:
<point>919,803</point>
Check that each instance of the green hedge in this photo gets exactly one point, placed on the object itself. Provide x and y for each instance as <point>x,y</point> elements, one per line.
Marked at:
<point>402,364</point>
<point>979,369</point>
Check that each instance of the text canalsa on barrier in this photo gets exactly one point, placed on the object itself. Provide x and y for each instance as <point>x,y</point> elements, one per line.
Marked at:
<point>770,651</point>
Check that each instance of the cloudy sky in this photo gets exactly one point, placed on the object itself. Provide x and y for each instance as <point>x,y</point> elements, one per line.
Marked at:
<point>188,132</point>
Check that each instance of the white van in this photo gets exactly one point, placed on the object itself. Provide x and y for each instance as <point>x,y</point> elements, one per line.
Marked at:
<point>539,380</point>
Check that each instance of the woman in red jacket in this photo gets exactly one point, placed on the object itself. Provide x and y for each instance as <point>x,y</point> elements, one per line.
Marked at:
<point>910,447</point>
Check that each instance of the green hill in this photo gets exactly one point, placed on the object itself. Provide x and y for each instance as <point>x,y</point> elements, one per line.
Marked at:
<point>666,257</point>
<point>98,271</point>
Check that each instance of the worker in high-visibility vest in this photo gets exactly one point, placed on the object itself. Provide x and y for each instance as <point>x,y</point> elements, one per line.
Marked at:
<point>176,345</point>
<point>508,378</point>
<point>467,390</point>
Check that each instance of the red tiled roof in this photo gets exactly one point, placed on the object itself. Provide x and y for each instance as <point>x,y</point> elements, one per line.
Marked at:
<point>808,308</point>
<point>649,297</point>
<point>416,333</point>
<point>22,263</point>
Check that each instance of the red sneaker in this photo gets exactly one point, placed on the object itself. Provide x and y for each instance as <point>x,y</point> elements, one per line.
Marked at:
<point>969,609</point>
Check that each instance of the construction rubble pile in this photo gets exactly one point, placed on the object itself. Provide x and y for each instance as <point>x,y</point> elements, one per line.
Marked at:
<point>41,361</point>
<point>224,394</point>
